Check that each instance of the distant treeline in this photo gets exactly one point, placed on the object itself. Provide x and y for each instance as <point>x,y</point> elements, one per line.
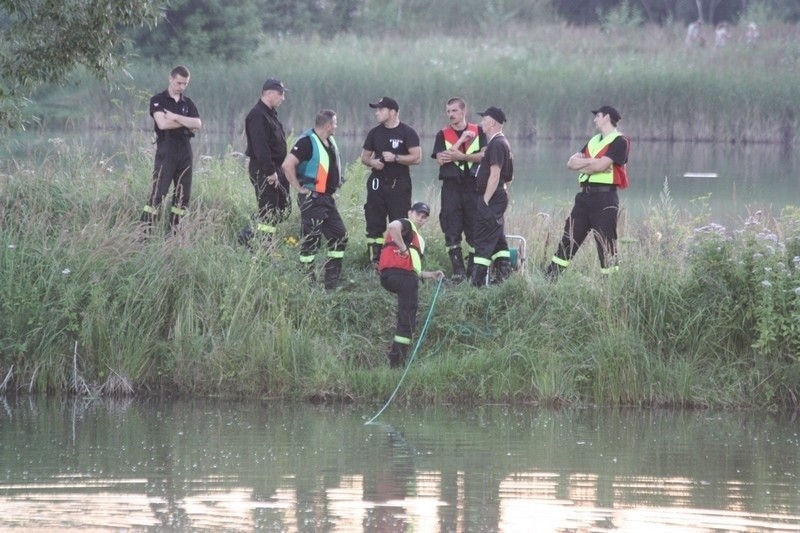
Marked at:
<point>230,29</point>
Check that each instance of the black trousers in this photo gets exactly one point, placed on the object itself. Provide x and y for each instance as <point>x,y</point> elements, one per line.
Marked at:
<point>273,202</point>
<point>490,237</point>
<point>405,285</point>
<point>592,211</point>
<point>387,200</point>
<point>173,166</point>
<point>320,218</point>
<point>457,216</point>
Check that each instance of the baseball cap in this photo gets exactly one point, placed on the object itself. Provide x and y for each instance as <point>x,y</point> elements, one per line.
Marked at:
<point>612,113</point>
<point>389,103</point>
<point>273,84</point>
<point>421,207</point>
<point>496,113</point>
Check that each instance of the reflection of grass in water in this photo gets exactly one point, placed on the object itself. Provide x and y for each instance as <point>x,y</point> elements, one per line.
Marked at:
<point>546,78</point>
<point>695,316</point>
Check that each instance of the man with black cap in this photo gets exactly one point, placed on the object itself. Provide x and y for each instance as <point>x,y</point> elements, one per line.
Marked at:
<point>601,171</point>
<point>458,148</point>
<point>400,266</point>
<point>495,171</point>
<point>266,148</point>
<point>175,119</point>
<point>389,149</point>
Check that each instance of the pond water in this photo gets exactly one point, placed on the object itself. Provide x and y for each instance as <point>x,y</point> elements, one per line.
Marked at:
<point>140,465</point>
<point>748,177</point>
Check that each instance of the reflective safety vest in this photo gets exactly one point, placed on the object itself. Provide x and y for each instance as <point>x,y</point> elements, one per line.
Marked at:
<point>616,174</point>
<point>391,258</point>
<point>313,174</point>
<point>451,137</point>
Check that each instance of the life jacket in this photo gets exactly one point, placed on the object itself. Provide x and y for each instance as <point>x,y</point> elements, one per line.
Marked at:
<point>313,174</point>
<point>471,147</point>
<point>390,258</point>
<point>616,174</point>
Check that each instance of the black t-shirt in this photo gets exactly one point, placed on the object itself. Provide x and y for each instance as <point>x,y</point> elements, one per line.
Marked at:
<point>184,106</point>
<point>498,152</point>
<point>303,151</point>
<point>455,170</point>
<point>398,140</point>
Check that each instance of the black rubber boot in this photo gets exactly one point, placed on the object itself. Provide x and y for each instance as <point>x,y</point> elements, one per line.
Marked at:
<point>457,259</point>
<point>374,252</point>
<point>244,236</point>
<point>397,355</point>
<point>502,270</point>
<point>479,275</point>
<point>553,271</point>
<point>333,271</point>
<point>470,265</point>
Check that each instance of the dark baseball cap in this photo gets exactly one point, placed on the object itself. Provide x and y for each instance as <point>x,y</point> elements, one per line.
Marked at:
<point>273,84</point>
<point>496,113</point>
<point>388,103</point>
<point>421,207</point>
<point>612,113</point>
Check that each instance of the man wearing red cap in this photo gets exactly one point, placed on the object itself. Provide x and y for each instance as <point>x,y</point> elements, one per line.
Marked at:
<point>400,266</point>
<point>389,149</point>
<point>601,172</point>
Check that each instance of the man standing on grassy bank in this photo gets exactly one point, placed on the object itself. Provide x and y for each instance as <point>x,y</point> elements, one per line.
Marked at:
<point>175,119</point>
<point>266,148</point>
<point>457,148</point>
<point>389,149</point>
<point>314,170</point>
<point>601,171</point>
<point>400,266</point>
<point>495,171</point>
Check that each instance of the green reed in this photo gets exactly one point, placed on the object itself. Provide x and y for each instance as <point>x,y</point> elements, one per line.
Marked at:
<point>547,78</point>
<point>696,316</point>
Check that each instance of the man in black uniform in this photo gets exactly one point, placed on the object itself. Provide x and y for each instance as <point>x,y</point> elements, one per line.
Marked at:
<point>314,170</point>
<point>175,120</point>
<point>266,148</point>
<point>495,171</point>
<point>601,166</point>
<point>389,149</point>
<point>458,148</point>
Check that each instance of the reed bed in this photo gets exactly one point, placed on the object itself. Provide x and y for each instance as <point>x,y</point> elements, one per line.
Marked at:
<point>697,316</point>
<point>546,78</point>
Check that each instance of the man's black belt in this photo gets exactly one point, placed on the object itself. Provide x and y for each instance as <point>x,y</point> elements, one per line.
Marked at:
<point>598,188</point>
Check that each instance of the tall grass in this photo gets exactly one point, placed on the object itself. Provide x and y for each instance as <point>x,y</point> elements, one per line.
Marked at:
<point>696,316</point>
<point>546,77</point>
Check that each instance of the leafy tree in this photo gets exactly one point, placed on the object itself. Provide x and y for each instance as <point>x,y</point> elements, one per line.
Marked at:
<point>43,41</point>
<point>224,29</point>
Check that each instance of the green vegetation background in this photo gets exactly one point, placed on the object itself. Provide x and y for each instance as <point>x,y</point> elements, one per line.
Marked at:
<point>699,315</point>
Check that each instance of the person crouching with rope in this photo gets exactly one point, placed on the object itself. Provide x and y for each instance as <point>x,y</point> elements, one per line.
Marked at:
<point>400,267</point>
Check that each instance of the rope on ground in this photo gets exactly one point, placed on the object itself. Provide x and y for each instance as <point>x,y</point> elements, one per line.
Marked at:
<point>413,355</point>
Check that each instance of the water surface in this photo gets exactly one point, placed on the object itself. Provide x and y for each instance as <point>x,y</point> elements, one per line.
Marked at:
<point>209,465</point>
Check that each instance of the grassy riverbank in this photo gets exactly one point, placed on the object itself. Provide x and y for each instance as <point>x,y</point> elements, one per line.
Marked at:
<point>546,78</point>
<point>698,316</point>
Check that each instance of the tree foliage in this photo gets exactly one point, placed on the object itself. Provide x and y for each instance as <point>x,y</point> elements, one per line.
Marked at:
<point>44,40</point>
<point>225,29</point>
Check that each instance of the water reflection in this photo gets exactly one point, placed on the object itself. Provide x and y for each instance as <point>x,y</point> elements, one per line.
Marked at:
<point>211,466</point>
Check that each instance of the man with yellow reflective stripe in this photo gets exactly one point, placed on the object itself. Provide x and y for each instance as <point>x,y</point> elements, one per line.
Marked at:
<point>458,148</point>
<point>601,167</point>
<point>400,266</point>
<point>314,169</point>
<point>496,170</point>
